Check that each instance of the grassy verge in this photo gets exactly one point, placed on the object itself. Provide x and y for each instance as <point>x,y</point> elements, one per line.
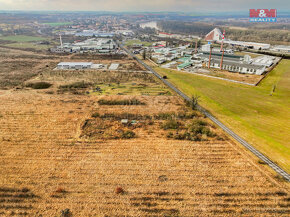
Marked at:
<point>150,89</point>
<point>262,119</point>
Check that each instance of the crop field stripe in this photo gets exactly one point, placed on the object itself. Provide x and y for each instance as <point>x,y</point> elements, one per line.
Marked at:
<point>262,157</point>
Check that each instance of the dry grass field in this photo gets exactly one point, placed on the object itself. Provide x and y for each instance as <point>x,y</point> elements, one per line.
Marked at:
<point>68,154</point>
<point>47,166</point>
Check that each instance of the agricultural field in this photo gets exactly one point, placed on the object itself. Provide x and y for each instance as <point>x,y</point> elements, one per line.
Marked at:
<point>24,45</point>
<point>22,38</point>
<point>24,42</point>
<point>62,153</point>
<point>56,24</point>
<point>257,114</point>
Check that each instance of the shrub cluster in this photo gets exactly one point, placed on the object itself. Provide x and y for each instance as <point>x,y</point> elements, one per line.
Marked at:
<point>128,134</point>
<point>76,85</point>
<point>197,130</point>
<point>39,85</point>
<point>173,115</point>
<point>121,102</point>
<point>159,116</point>
<point>171,124</point>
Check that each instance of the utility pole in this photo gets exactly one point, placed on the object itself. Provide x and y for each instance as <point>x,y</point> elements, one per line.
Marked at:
<point>209,57</point>
<point>196,46</point>
<point>222,59</point>
<point>222,44</point>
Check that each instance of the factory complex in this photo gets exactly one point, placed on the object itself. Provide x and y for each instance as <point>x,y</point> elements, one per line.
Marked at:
<point>95,45</point>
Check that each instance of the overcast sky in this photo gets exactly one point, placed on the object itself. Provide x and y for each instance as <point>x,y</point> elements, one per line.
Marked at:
<point>144,5</point>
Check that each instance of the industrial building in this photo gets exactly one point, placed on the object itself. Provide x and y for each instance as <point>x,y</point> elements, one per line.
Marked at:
<point>206,48</point>
<point>98,45</point>
<point>281,48</point>
<point>74,65</point>
<point>243,68</point>
<point>254,45</point>
<point>263,61</point>
<point>93,33</point>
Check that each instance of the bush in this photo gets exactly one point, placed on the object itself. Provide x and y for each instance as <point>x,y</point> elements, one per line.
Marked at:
<point>39,85</point>
<point>60,190</point>
<point>206,131</point>
<point>128,134</point>
<point>96,115</point>
<point>193,102</point>
<point>199,122</point>
<point>119,190</point>
<point>25,190</point>
<point>164,115</point>
<point>169,135</point>
<point>170,124</point>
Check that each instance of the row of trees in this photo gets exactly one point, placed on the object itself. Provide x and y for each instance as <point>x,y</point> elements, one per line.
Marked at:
<point>201,29</point>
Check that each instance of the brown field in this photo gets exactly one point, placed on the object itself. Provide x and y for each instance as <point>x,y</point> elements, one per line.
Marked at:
<point>18,66</point>
<point>47,166</point>
<point>63,151</point>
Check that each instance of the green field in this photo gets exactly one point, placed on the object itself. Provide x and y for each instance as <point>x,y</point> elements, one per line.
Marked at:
<point>153,89</point>
<point>131,42</point>
<point>58,24</point>
<point>258,117</point>
<point>22,38</point>
<point>28,45</point>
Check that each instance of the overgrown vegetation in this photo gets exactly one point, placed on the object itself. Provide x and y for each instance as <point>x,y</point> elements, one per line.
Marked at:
<point>76,85</point>
<point>182,125</point>
<point>196,130</point>
<point>14,73</point>
<point>77,88</point>
<point>120,102</point>
<point>39,85</point>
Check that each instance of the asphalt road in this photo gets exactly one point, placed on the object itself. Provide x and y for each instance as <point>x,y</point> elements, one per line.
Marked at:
<point>262,157</point>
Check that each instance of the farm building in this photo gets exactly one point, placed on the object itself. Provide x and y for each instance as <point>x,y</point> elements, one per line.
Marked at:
<point>74,65</point>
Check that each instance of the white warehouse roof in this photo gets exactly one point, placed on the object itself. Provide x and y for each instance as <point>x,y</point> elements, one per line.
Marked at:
<point>75,64</point>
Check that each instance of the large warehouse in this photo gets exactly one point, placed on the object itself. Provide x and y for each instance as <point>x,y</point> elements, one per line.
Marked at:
<point>74,65</point>
<point>238,67</point>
